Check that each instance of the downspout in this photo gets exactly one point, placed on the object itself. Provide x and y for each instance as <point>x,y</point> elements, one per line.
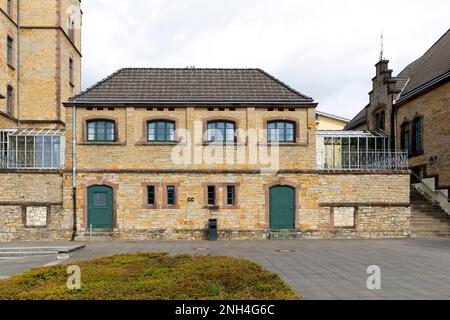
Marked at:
<point>18,63</point>
<point>74,171</point>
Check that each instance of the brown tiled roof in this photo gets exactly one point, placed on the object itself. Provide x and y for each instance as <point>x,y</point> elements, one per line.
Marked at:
<point>165,85</point>
<point>432,66</point>
<point>359,119</point>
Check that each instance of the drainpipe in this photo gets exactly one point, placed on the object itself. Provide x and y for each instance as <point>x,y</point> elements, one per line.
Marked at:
<point>18,63</point>
<point>74,171</point>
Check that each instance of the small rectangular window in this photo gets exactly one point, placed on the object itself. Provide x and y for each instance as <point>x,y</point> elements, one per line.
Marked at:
<point>211,195</point>
<point>231,195</point>
<point>9,7</point>
<point>71,71</point>
<point>151,196</point>
<point>9,100</point>
<point>10,51</point>
<point>171,196</point>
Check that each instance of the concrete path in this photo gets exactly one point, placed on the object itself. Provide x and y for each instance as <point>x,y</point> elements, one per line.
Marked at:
<point>322,269</point>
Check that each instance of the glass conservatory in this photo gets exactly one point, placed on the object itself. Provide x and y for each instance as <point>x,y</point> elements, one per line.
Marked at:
<point>357,150</point>
<point>31,149</point>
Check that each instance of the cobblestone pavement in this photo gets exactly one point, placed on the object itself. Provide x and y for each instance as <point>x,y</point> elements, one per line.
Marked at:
<point>320,269</point>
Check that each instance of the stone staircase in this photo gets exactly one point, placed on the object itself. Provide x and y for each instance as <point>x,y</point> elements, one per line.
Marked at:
<point>427,219</point>
<point>96,235</point>
<point>279,234</point>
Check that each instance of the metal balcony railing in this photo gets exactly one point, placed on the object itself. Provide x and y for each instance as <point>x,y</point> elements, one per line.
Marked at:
<point>362,160</point>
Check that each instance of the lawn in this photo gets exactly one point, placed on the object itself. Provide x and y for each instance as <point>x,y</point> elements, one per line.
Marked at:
<point>153,276</point>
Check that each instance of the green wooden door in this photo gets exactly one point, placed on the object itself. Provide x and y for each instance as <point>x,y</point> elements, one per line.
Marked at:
<point>282,207</point>
<point>100,207</point>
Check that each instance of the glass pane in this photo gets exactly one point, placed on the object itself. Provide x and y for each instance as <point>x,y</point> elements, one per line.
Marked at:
<point>170,195</point>
<point>100,199</point>
<point>39,142</point>
<point>230,195</point>
<point>56,152</point>
<point>47,152</point>
<point>211,195</point>
<point>151,195</point>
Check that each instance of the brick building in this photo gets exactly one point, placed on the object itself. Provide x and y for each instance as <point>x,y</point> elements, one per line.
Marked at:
<point>413,109</point>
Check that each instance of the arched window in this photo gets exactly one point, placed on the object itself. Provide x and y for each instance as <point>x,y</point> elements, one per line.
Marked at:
<point>101,130</point>
<point>221,131</point>
<point>417,135</point>
<point>380,120</point>
<point>404,141</point>
<point>160,130</point>
<point>281,131</point>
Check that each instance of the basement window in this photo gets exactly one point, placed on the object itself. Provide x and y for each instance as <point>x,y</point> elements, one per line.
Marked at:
<point>151,195</point>
<point>231,195</point>
<point>171,195</point>
<point>211,195</point>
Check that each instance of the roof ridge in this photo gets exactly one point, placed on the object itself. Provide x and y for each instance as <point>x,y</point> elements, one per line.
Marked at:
<point>184,68</point>
<point>97,83</point>
<point>284,84</point>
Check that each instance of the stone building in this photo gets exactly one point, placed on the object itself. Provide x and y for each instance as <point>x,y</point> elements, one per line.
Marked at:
<point>40,67</point>
<point>156,153</point>
<point>131,127</point>
<point>413,109</point>
<point>40,62</point>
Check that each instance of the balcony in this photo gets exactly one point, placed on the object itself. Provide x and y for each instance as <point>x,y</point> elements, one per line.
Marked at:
<point>31,149</point>
<point>357,150</point>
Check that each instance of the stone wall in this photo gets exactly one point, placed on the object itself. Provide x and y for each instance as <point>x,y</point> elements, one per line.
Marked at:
<point>131,151</point>
<point>380,202</point>
<point>31,207</point>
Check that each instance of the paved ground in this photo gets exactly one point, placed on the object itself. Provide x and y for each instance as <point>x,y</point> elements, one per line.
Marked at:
<point>323,269</point>
<point>10,266</point>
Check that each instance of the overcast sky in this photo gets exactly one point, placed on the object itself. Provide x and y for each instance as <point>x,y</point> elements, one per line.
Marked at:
<point>324,49</point>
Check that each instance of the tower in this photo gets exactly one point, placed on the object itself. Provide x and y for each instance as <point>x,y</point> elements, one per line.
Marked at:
<point>45,60</point>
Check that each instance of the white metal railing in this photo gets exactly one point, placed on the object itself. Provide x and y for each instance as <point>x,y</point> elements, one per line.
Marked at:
<point>31,149</point>
<point>362,160</point>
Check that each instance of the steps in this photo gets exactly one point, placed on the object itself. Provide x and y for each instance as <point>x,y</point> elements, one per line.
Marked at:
<point>97,235</point>
<point>14,252</point>
<point>427,219</point>
<point>284,234</point>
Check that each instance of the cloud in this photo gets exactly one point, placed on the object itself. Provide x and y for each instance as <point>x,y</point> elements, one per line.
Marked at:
<point>325,49</point>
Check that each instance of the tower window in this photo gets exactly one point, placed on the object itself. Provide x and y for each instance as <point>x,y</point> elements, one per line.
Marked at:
<point>9,101</point>
<point>9,5</point>
<point>70,70</point>
<point>9,51</point>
